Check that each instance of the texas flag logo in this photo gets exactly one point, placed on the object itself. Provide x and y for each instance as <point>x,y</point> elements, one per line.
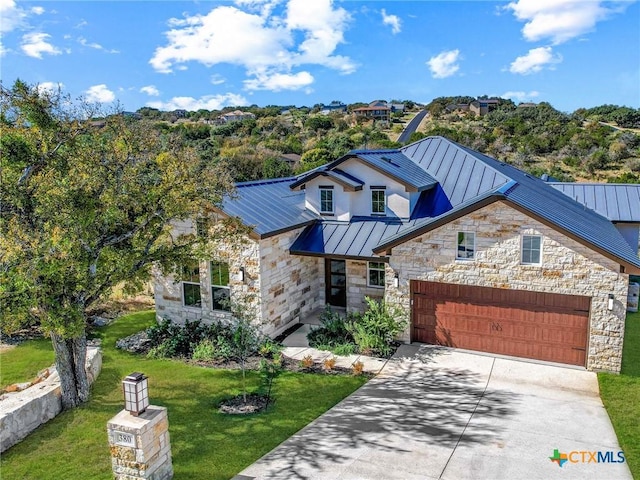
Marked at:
<point>559,458</point>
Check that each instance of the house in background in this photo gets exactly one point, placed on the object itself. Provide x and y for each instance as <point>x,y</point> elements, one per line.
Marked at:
<point>483,106</point>
<point>477,253</point>
<point>377,111</point>
<point>235,116</point>
<point>334,106</point>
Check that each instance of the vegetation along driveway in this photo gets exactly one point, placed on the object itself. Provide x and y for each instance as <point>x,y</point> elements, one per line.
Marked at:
<point>437,413</point>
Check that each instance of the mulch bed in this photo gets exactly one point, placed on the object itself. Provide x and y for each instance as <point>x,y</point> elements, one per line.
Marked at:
<point>289,364</point>
<point>255,403</point>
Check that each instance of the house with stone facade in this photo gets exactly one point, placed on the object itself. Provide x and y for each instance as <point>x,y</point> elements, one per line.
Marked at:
<point>478,254</point>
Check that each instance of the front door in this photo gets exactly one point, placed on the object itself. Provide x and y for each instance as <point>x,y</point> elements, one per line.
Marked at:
<point>336,282</point>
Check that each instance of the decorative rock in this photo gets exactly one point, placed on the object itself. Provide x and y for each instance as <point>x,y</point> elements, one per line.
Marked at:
<point>136,343</point>
<point>98,321</point>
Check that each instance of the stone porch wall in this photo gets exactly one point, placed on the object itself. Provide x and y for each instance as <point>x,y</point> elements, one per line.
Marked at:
<point>568,267</point>
<point>292,285</point>
<point>357,287</point>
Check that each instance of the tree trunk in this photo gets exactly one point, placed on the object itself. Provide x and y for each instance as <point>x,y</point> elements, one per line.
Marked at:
<point>71,354</point>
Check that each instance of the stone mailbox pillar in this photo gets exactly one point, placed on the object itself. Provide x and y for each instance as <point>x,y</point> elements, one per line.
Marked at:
<point>140,446</point>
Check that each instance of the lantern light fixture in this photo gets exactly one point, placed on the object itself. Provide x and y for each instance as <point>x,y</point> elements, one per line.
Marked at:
<point>610,302</point>
<point>396,280</point>
<point>136,393</point>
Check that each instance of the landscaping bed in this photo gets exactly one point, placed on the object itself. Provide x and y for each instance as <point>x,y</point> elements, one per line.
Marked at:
<point>205,443</point>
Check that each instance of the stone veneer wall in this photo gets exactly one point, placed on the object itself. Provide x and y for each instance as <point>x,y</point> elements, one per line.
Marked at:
<point>242,252</point>
<point>357,287</point>
<point>293,285</point>
<point>279,287</point>
<point>568,267</point>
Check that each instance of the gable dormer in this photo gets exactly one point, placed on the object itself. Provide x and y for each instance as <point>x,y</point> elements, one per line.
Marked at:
<point>381,183</point>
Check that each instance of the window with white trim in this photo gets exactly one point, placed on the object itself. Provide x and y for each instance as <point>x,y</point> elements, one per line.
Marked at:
<point>466,246</point>
<point>531,249</point>
<point>191,285</point>
<point>375,274</point>
<point>378,201</point>
<point>326,200</point>
<point>220,291</point>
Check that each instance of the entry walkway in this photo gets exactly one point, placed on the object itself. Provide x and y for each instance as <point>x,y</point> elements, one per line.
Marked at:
<point>297,347</point>
<point>439,413</point>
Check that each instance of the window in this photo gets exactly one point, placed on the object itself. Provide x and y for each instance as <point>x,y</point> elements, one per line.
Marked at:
<point>191,285</point>
<point>466,246</point>
<point>202,227</point>
<point>376,274</point>
<point>220,292</point>
<point>326,199</point>
<point>378,206</point>
<point>531,249</point>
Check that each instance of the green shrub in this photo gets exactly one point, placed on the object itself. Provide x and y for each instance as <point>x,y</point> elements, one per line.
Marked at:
<point>344,349</point>
<point>204,350</point>
<point>332,330</point>
<point>375,331</point>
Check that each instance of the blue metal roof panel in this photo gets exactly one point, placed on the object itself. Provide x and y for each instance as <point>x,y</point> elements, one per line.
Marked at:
<point>617,202</point>
<point>344,177</point>
<point>268,206</point>
<point>459,171</point>
<point>397,165</point>
<point>354,239</point>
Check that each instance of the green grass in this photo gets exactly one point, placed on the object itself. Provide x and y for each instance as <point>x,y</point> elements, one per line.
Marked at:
<point>621,395</point>
<point>205,443</point>
<point>22,363</point>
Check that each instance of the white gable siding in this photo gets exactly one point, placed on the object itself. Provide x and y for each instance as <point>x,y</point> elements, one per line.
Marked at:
<point>348,203</point>
<point>396,196</point>
<point>341,199</point>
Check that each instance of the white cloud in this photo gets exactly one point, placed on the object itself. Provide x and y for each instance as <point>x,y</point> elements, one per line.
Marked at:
<point>560,20</point>
<point>36,43</point>
<point>445,64</point>
<point>279,81</point>
<point>535,60</point>
<point>50,87</point>
<point>251,35</point>
<point>392,20</point>
<point>521,96</point>
<point>12,16</point>
<point>100,94</point>
<point>207,102</point>
<point>85,43</point>
<point>150,90</point>
<point>37,10</point>
<point>217,79</point>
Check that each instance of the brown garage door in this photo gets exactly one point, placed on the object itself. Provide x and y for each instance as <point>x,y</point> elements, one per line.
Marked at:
<point>544,326</point>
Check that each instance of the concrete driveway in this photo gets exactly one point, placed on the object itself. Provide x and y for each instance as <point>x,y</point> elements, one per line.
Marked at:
<point>438,413</point>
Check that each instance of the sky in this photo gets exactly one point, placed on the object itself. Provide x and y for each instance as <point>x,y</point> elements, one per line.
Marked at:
<point>213,54</point>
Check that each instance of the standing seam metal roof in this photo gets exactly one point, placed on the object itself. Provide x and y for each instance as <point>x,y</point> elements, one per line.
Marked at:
<point>617,202</point>
<point>268,206</point>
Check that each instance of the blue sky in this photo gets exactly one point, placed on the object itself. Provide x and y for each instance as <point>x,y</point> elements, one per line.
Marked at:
<point>213,54</point>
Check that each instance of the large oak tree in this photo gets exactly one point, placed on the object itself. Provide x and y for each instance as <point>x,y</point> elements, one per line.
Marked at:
<point>87,205</point>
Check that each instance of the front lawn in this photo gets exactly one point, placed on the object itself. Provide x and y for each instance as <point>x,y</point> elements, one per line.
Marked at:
<point>621,395</point>
<point>23,362</point>
<point>205,443</point>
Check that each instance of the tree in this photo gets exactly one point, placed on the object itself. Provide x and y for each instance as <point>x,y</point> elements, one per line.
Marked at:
<point>85,208</point>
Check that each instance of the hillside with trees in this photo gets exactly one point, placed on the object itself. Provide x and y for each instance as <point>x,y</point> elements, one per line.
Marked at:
<point>596,144</point>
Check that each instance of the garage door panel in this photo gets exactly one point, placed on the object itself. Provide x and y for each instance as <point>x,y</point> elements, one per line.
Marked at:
<point>537,325</point>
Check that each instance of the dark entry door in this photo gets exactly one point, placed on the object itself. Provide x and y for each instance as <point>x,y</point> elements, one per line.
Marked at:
<point>336,282</point>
